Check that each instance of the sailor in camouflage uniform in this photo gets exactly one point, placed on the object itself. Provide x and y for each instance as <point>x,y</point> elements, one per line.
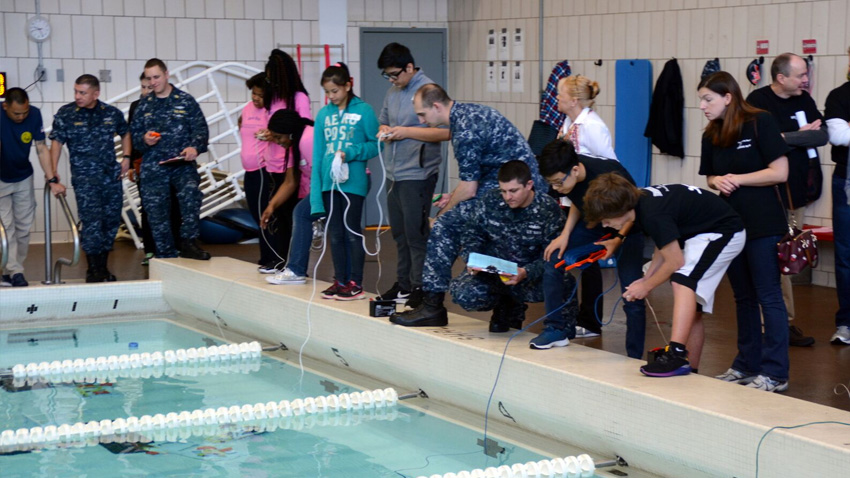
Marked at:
<point>515,224</point>
<point>169,124</point>
<point>88,127</point>
<point>482,140</point>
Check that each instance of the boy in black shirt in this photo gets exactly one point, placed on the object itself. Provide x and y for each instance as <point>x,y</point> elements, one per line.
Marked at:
<point>570,174</point>
<point>696,235</point>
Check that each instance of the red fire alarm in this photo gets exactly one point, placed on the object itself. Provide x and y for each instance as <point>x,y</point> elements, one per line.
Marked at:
<point>810,47</point>
<point>762,47</point>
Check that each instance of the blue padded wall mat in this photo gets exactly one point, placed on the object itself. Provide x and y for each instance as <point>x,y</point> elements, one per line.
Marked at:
<point>634,95</point>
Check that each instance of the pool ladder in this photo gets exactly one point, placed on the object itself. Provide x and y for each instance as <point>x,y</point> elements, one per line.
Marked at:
<point>52,269</point>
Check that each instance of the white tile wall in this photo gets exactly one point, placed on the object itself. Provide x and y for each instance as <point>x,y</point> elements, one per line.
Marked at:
<point>692,31</point>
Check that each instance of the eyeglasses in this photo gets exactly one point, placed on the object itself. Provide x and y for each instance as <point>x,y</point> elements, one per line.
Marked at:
<point>558,183</point>
<point>391,76</point>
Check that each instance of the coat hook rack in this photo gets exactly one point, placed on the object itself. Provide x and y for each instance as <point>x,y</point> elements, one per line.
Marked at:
<point>598,62</point>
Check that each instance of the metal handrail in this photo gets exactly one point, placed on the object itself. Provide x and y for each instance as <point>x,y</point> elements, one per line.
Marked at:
<point>4,247</point>
<point>52,269</point>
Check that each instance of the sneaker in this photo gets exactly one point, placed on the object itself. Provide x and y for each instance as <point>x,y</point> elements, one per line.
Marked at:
<point>734,376</point>
<point>190,250</point>
<point>797,339</point>
<point>18,280</point>
<point>270,268</point>
<point>147,260</point>
<point>763,382</point>
<point>286,277</point>
<point>6,281</point>
<point>668,364</point>
<point>841,336</point>
<point>332,291</point>
<point>396,293</point>
<point>551,337</point>
<point>351,291</point>
<point>583,333</point>
<point>414,300</point>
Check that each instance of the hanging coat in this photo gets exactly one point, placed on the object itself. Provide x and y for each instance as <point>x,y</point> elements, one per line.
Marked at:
<point>666,113</point>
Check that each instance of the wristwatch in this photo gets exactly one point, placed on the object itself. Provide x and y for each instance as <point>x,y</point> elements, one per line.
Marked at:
<point>619,236</point>
<point>53,180</point>
<point>127,156</point>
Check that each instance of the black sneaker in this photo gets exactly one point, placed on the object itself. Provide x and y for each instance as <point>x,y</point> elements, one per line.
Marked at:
<point>396,293</point>
<point>333,290</point>
<point>797,339</point>
<point>6,280</point>
<point>18,280</point>
<point>190,250</point>
<point>270,268</point>
<point>668,363</point>
<point>351,291</point>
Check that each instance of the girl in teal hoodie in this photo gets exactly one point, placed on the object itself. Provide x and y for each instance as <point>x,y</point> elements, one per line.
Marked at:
<point>349,126</point>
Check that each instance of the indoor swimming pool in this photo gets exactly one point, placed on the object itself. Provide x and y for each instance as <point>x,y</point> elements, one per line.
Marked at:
<point>392,440</point>
<point>548,404</point>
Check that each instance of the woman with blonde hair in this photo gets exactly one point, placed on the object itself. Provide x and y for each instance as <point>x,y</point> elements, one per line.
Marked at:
<point>583,127</point>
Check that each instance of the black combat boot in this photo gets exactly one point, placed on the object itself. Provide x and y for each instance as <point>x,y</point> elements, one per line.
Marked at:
<point>431,313</point>
<point>93,273</point>
<point>508,313</point>
<point>190,250</point>
<point>107,276</point>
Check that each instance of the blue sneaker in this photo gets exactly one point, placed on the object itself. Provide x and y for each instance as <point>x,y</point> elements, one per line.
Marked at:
<point>18,280</point>
<point>551,337</point>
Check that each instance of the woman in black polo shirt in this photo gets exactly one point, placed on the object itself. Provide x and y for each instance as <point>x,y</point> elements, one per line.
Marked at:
<point>744,157</point>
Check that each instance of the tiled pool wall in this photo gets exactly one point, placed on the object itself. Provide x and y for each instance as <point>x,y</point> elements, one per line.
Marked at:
<point>686,426</point>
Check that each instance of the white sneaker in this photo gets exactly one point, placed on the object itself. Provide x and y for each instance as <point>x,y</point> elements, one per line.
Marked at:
<point>734,376</point>
<point>582,333</point>
<point>841,336</point>
<point>286,277</point>
<point>763,382</point>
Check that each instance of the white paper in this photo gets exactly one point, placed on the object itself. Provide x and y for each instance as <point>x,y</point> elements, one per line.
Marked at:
<point>491,45</point>
<point>518,45</point>
<point>516,78</point>
<point>490,74</point>
<point>504,78</point>
<point>504,45</point>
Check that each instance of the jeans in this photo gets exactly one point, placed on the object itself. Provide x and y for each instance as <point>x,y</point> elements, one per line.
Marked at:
<point>754,276</point>
<point>347,250</point>
<point>841,231</point>
<point>408,207</point>
<point>629,269</point>
<point>302,238</point>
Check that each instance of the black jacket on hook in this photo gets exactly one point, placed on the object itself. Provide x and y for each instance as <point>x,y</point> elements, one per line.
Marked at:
<point>666,113</point>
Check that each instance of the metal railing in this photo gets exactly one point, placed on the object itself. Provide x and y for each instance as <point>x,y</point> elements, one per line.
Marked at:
<point>52,269</point>
<point>4,247</point>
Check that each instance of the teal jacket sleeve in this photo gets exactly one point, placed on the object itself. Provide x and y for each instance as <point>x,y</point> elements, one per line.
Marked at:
<point>364,147</point>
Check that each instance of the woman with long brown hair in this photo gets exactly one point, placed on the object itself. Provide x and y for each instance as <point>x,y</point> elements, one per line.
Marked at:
<point>744,157</point>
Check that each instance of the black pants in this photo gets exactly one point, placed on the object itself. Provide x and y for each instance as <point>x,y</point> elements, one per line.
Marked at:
<point>260,186</point>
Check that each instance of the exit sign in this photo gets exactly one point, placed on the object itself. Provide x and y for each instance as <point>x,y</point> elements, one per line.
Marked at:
<point>810,47</point>
<point>762,47</point>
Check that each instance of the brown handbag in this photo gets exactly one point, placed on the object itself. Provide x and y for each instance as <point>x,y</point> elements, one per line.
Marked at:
<point>797,248</point>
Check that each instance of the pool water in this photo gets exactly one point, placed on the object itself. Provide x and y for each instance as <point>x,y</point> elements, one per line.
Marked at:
<point>389,442</point>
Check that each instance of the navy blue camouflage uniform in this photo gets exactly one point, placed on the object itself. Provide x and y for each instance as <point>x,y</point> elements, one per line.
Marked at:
<point>518,235</point>
<point>89,134</point>
<point>482,140</point>
<point>179,120</point>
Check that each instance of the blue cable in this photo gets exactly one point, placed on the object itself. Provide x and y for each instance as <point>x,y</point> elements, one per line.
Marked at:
<point>758,448</point>
<point>504,353</point>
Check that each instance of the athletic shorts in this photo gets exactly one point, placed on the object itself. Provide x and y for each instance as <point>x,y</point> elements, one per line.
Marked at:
<point>707,256</point>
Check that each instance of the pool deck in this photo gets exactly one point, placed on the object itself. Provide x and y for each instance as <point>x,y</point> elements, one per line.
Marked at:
<point>691,426</point>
